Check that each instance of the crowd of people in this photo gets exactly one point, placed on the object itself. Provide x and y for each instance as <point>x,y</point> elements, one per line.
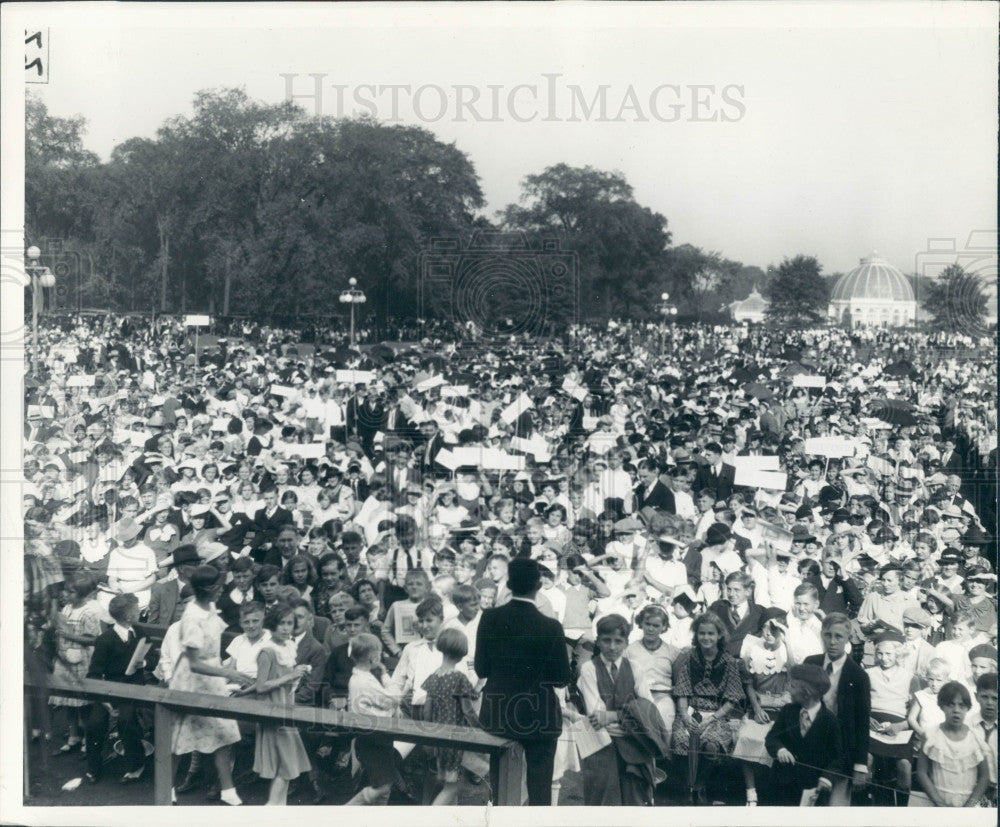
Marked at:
<point>700,554</point>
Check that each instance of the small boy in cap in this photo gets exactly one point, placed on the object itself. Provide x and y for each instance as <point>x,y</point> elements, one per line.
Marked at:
<point>915,653</point>
<point>805,740</point>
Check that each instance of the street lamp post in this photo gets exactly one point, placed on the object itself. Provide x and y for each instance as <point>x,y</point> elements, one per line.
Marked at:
<point>668,311</point>
<point>352,296</point>
<point>41,277</point>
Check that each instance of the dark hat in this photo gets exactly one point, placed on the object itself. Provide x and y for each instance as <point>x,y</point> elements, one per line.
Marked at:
<point>684,601</point>
<point>802,534</point>
<point>975,536</point>
<point>951,556</point>
<point>889,636</point>
<point>840,515</point>
<point>774,615</point>
<point>717,534</point>
<point>813,675</point>
<point>983,650</point>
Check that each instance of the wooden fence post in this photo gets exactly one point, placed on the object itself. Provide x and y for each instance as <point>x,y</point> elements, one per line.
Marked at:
<point>507,770</point>
<point>163,759</point>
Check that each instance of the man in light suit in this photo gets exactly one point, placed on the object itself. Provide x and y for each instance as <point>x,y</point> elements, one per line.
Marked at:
<point>522,655</point>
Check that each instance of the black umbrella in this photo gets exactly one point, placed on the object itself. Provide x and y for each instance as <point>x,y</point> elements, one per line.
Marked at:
<point>897,412</point>
<point>901,368</point>
<point>758,390</point>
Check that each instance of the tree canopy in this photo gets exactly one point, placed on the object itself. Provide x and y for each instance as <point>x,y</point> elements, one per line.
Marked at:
<point>244,207</point>
<point>798,294</point>
<point>956,302</point>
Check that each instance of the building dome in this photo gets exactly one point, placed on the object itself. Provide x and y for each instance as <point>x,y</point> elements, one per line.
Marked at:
<point>874,278</point>
<point>873,294</point>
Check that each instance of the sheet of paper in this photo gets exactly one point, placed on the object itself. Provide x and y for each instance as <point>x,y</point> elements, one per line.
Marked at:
<point>762,463</point>
<point>772,480</point>
<point>81,380</point>
<point>830,446</point>
<point>516,408</point>
<point>354,377</point>
<point>283,390</point>
<point>804,380</point>
<point>777,536</point>
<point>406,621</point>
<point>587,739</point>
<point>138,656</point>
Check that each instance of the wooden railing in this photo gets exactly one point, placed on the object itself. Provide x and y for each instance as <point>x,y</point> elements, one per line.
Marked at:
<point>506,757</point>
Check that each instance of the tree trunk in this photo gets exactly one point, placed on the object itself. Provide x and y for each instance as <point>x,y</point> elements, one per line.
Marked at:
<point>225,289</point>
<point>165,258</point>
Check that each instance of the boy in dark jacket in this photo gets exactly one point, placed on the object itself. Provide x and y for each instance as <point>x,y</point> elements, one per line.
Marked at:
<point>113,652</point>
<point>805,740</point>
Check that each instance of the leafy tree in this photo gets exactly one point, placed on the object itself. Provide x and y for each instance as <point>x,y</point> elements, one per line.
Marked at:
<point>620,244</point>
<point>798,294</point>
<point>956,302</point>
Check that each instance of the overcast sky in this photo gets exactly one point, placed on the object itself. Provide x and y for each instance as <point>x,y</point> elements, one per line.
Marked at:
<point>836,131</point>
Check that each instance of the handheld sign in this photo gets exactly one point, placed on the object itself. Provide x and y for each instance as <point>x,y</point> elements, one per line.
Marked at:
<point>516,408</point>
<point>197,321</point>
<point>772,480</point>
<point>802,380</point>
<point>762,463</point>
<point>833,447</point>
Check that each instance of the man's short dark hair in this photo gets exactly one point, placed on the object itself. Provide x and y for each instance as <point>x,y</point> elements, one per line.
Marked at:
<point>523,576</point>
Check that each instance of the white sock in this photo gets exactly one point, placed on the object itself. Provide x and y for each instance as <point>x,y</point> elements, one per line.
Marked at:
<point>752,794</point>
<point>230,797</point>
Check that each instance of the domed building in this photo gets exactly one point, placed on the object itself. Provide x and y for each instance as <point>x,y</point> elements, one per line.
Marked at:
<point>752,309</point>
<point>873,294</point>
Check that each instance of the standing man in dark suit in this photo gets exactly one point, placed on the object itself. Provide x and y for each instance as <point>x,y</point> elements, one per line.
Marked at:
<point>113,652</point>
<point>431,443</point>
<point>715,474</point>
<point>522,655</point>
<point>268,521</point>
<point>650,490</point>
<point>850,699</point>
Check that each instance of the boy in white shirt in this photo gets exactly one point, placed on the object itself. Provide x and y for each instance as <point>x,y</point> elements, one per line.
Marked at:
<point>804,626</point>
<point>420,658</point>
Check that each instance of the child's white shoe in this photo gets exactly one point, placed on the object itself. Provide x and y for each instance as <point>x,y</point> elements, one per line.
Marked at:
<point>230,797</point>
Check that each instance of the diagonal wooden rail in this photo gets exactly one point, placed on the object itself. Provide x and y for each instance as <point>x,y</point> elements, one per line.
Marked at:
<point>506,757</point>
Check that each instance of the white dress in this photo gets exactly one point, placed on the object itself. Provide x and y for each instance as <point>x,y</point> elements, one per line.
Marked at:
<point>201,630</point>
<point>954,764</point>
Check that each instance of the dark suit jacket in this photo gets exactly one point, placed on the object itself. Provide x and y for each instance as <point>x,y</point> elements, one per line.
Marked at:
<point>749,624</point>
<point>111,657</point>
<point>338,671</point>
<point>722,484</point>
<point>854,706</point>
<point>820,753</point>
<point>522,655</point>
<point>842,595</point>
<point>312,652</point>
<point>659,497</point>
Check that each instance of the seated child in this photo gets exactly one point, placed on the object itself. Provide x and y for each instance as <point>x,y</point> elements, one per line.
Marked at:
<point>766,662</point>
<point>889,736</point>
<point>805,741</point>
<point>925,714</point>
<point>804,626</point>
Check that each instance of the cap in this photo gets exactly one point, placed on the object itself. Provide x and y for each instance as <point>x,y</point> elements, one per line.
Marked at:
<point>813,675</point>
<point>889,636</point>
<point>915,616</point>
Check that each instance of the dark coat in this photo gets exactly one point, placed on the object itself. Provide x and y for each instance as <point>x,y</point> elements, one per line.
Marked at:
<point>854,706</point>
<point>660,497</point>
<point>820,753</point>
<point>522,655</point>
<point>735,633</point>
